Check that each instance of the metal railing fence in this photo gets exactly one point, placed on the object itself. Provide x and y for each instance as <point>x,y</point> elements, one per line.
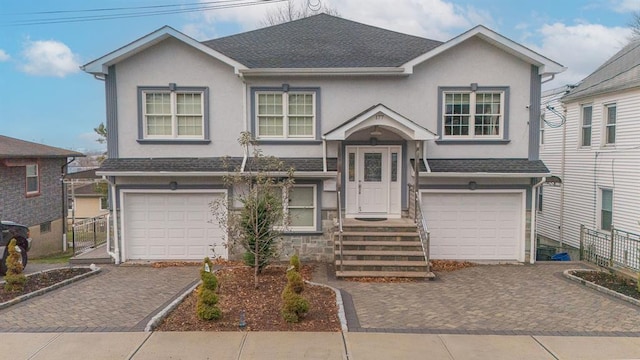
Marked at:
<point>617,248</point>
<point>90,233</point>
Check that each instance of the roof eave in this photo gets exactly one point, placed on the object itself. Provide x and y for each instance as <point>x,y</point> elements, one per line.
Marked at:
<point>101,65</point>
<point>344,71</point>
<point>297,174</point>
<point>484,174</point>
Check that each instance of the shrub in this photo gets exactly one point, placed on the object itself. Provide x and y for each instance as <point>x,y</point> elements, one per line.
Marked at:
<point>294,306</point>
<point>295,282</point>
<point>206,308</point>
<point>14,279</point>
<point>295,262</point>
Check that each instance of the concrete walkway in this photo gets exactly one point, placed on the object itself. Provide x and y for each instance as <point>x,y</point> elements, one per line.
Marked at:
<point>285,345</point>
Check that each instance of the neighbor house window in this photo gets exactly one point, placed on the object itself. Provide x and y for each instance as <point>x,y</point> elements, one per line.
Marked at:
<point>104,203</point>
<point>541,131</point>
<point>539,205</point>
<point>606,209</point>
<point>300,207</point>
<point>610,126</point>
<point>173,114</point>
<point>587,113</point>
<point>473,114</point>
<point>33,179</point>
<point>285,115</point>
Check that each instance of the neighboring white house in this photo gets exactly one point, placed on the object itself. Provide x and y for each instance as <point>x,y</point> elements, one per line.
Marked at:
<point>352,107</point>
<point>596,152</point>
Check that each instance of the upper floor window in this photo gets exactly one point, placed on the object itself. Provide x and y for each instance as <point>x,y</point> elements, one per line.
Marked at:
<point>610,125</point>
<point>173,113</point>
<point>473,113</point>
<point>285,113</point>
<point>585,135</point>
<point>32,179</point>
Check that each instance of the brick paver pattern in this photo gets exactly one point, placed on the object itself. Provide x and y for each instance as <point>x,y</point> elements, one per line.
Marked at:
<point>121,298</point>
<point>491,299</point>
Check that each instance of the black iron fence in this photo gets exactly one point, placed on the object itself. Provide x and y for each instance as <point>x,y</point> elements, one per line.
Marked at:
<point>617,248</point>
<point>90,233</point>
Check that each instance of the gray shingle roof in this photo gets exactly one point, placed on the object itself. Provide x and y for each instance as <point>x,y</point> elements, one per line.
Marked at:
<point>85,174</point>
<point>218,164</point>
<point>485,166</point>
<point>621,71</point>
<point>322,41</point>
<point>16,148</point>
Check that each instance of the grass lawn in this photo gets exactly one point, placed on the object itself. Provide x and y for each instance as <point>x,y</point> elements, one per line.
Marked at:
<point>59,258</point>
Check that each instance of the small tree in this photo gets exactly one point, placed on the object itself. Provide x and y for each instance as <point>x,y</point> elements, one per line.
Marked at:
<point>14,278</point>
<point>259,184</point>
<point>207,293</point>
<point>296,9</point>
<point>294,306</point>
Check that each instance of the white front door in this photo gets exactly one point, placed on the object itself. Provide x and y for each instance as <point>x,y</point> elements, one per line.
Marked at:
<point>373,181</point>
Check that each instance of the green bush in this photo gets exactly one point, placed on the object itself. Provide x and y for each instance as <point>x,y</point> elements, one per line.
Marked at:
<point>295,282</point>
<point>14,279</point>
<point>295,262</point>
<point>206,308</point>
<point>294,306</point>
<point>257,220</point>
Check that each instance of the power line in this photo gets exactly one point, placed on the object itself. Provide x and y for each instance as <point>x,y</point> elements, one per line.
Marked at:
<point>146,11</point>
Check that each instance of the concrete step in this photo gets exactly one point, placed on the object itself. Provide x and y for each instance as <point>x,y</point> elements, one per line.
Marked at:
<point>401,274</point>
<point>384,234</point>
<point>418,263</point>
<point>379,253</point>
<point>379,229</point>
<point>378,243</point>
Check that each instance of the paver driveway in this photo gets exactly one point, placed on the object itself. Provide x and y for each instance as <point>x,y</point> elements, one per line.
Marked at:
<point>489,299</point>
<point>120,298</point>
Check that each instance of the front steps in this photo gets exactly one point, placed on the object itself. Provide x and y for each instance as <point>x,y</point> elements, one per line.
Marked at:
<point>389,248</point>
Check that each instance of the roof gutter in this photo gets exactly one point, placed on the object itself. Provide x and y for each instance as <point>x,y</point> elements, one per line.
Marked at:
<point>482,174</point>
<point>297,174</point>
<point>359,71</point>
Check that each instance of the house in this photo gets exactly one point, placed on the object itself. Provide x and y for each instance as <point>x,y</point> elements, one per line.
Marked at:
<point>596,152</point>
<point>354,108</point>
<point>31,190</point>
<point>87,195</point>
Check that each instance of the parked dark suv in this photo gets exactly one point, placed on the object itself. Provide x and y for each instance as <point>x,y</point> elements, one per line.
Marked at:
<point>12,230</point>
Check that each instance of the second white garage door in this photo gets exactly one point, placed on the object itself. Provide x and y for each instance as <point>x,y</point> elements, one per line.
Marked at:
<point>175,226</point>
<point>474,225</point>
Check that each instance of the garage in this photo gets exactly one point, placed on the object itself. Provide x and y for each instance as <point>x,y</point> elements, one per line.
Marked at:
<point>474,225</point>
<point>171,226</point>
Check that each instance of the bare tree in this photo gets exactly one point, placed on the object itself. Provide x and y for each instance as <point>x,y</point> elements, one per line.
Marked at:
<point>297,9</point>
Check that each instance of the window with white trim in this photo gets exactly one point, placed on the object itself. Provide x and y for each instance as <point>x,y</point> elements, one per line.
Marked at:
<point>32,179</point>
<point>610,125</point>
<point>585,128</point>
<point>473,114</point>
<point>170,114</point>
<point>301,207</point>
<point>285,115</point>
<point>542,125</point>
<point>104,203</point>
<point>606,209</point>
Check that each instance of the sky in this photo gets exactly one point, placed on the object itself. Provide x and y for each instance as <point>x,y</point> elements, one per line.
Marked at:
<point>46,98</point>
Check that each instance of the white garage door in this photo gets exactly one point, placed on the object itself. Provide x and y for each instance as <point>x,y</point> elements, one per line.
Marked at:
<point>171,226</point>
<point>474,226</point>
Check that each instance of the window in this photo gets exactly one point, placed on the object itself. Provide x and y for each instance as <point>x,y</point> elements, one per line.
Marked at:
<point>104,203</point>
<point>585,138</point>
<point>179,114</point>
<point>606,209</point>
<point>542,123</point>
<point>475,115</point>
<point>33,179</point>
<point>285,114</point>
<point>610,126</point>
<point>539,205</point>
<point>300,207</point>
<point>45,227</point>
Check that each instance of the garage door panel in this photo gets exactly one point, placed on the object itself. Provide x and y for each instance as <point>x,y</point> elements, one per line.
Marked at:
<point>171,226</point>
<point>477,226</point>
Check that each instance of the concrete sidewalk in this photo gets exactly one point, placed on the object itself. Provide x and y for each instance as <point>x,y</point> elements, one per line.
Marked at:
<point>299,345</point>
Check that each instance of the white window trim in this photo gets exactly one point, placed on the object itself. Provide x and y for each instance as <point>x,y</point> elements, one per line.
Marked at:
<point>285,115</point>
<point>583,127</point>
<point>100,203</point>
<point>472,115</point>
<point>599,209</point>
<point>606,125</point>
<point>174,114</point>
<point>285,196</point>
<point>37,177</point>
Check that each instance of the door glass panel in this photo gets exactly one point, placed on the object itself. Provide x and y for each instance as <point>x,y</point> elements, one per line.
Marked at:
<point>352,167</point>
<point>373,167</point>
<point>394,166</point>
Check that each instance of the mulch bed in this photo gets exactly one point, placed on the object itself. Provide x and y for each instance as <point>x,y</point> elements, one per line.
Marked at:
<point>261,306</point>
<point>610,281</point>
<point>42,280</point>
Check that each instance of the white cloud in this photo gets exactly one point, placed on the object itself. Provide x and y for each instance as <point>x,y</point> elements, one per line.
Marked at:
<point>581,48</point>
<point>434,19</point>
<point>4,56</point>
<point>626,5</point>
<point>49,58</point>
<point>89,141</point>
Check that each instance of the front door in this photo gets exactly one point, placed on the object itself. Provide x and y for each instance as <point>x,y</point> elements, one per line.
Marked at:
<point>372,181</point>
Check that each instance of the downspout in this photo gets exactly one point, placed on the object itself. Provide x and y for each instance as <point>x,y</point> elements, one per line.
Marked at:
<point>532,232</point>
<point>64,205</point>
<point>324,153</point>
<point>246,119</point>
<point>116,240</point>
<point>562,174</point>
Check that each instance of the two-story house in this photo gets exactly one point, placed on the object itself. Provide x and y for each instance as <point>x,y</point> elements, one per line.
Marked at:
<point>354,108</point>
<point>596,152</point>
<point>31,190</point>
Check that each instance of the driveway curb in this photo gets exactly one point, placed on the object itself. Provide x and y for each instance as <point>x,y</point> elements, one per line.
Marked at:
<point>602,289</point>
<point>39,292</point>
<point>157,319</point>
